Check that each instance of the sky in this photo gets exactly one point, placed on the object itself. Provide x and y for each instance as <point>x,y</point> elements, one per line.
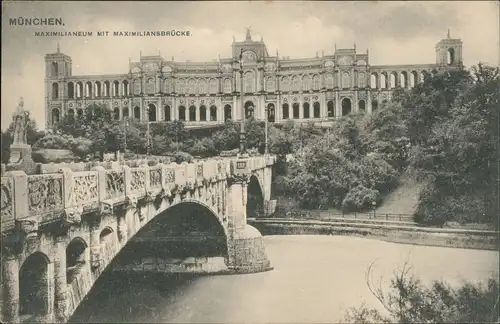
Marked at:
<point>394,32</point>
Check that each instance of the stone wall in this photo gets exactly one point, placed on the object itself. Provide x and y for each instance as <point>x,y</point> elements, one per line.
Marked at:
<point>466,239</point>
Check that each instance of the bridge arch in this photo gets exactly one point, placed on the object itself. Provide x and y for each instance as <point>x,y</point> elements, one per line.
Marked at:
<point>34,282</point>
<point>255,197</point>
<point>186,229</point>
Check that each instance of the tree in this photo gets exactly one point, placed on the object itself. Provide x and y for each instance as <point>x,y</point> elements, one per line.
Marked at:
<point>409,301</point>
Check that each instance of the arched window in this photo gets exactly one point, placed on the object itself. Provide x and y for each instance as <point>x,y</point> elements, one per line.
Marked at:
<point>346,80</point>
<point>305,108</point>
<point>97,89</point>
<point>152,112</point>
<point>404,80</point>
<point>248,82</point>
<point>192,113</point>
<point>213,113</point>
<point>116,88</point>
<point>181,86</point>
<point>316,82</point>
<point>285,84</point>
<point>203,113</point>
<point>167,85</point>
<point>88,89</point>
<point>79,89</point>
<point>106,88</point>
<point>137,86</point>
<point>450,56</point>
<point>394,80</point>
<point>168,114</point>
<point>71,114</point>
<point>271,114</point>
<point>331,108</point>
<point>55,116</point>
<point>361,80</point>
<point>116,113</point>
<point>202,87</point>
<point>151,86</point>
<point>361,106</point>
<point>55,70</point>
<point>182,113</point>
<point>296,83</point>
<point>137,113</point>
<point>346,106</point>
<point>213,85</point>
<point>55,90</point>
<point>317,110</point>
<point>374,81</point>
<point>34,293</point>
<point>75,258</point>
<point>191,86</point>
<point>413,79</point>
<point>71,90</point>
<point>383,80</point>
<point>125,112</point>
<point>374,105</point>
<point>249,109</point>
<point>296,109</point>
<point>329,81</point>
<point>286,111</point>
<point>227,112</point>
<point>79,113</point>
<point>270,86</point>
<point>306,83</point>
<point>125,87</point>
<point>227,86</point>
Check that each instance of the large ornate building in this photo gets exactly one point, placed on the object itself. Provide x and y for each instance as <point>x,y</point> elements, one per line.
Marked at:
<point>319,88</point>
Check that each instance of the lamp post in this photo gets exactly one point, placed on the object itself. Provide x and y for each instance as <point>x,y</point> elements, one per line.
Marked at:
<point>266,110</point>
<point>373,205</point>
<point>147,131</point>
<point>126,130</point>
<point>242,126</point>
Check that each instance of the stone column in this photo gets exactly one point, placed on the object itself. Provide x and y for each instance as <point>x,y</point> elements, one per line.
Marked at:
<point>95,244</point>
<point>10,288</point>
<point>60,283</point>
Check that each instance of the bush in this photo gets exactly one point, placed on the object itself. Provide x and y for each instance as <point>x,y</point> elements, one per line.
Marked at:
<point>409,301</point>
<point>54,141</point>
<point>179,157</point>
<point>360,198</point>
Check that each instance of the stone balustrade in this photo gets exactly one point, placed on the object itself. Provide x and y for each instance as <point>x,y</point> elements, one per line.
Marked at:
<point>67,189</point>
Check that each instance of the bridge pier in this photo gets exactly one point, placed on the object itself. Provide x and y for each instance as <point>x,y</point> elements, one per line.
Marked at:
<point>10,293</point>
<point>246,249</point>
<point>60,283</point>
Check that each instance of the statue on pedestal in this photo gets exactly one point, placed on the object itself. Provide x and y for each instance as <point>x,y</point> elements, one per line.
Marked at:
<point>20,151</point>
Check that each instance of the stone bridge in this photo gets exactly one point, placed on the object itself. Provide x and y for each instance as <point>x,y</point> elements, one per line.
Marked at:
<point>61,230</point>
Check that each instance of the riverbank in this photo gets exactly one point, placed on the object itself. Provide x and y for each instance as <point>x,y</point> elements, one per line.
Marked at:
<point>386,231</point>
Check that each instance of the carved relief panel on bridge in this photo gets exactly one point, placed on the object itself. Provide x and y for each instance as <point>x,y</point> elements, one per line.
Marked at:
<point>44,193</point>
<point>155,177</point>
<point>6,206</point>
<point>138,179</point>
<point>85,189</point>
<point>115,183</point>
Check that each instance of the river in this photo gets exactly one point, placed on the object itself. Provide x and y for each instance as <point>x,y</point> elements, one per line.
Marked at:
<point>315,279</point>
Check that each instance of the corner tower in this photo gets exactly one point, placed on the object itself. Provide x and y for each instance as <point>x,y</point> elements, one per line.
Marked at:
<point>449,51</point>
<point>58,66</point>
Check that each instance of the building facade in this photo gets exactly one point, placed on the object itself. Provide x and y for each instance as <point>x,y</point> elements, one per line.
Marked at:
<point>319,88</point>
